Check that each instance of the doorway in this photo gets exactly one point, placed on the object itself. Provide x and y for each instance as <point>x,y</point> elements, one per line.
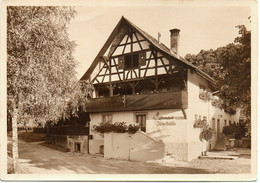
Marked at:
<point>77,147</point>
<point>218,128</point>
<point>141,120</point>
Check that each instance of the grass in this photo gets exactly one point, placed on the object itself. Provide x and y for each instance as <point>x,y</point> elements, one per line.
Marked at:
<point>31,137</point>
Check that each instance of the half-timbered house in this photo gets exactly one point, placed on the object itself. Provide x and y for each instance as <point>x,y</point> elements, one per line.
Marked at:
<point>139,80</point>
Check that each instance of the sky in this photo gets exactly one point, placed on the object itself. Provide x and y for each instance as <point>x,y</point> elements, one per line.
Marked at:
<point>201,27</point>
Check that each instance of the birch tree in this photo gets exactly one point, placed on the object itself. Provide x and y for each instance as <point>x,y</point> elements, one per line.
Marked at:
<point>41,81</point>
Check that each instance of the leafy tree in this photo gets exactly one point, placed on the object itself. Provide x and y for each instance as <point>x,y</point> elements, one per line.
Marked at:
<point>41,82</point>
<point>231,67</point>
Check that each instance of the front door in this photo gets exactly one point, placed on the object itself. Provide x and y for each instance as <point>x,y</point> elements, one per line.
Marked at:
<point>141,120</point>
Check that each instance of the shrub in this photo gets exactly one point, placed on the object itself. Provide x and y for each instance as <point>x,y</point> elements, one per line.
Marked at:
<point>103,127</point>
<point>117,127</point>
<point>234,129</point>
<point>133,128</point>
<point>238,136</point>
<point>207,133</point>
<point>228,130</point>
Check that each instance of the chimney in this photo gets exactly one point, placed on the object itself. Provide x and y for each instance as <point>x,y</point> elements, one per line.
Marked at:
<point>175,37</point>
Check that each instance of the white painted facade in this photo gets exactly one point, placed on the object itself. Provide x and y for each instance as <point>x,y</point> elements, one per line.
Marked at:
<point>181,139</point>
<point>135,64</point>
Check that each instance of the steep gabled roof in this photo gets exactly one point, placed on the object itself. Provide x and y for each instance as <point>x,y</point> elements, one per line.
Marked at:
<point>151,40</point>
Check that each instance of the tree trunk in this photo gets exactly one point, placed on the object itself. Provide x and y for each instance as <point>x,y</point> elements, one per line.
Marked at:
<point>15,139</point>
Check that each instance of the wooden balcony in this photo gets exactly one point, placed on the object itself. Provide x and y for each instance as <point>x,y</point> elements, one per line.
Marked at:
<point>164,100</point>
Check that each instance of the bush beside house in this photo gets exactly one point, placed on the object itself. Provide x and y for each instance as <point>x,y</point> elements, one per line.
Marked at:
<point>237,132</point>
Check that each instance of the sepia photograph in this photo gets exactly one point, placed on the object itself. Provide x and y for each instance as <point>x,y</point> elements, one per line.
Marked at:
<point>137,91</point>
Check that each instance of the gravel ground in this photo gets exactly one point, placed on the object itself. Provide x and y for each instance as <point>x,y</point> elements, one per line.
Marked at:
<point>238,166</point>
<point>241,165</point>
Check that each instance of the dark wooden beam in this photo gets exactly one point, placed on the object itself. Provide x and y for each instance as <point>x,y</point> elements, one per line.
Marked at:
<point>99,72</point>
<point>164,65</point>
<point>116,56</point>
<point>104,76</point>
<point>148,65</point>
<point>125,45</point>
<point>117,70</point>
<point>130,43</point>
<point>139,41</point>
<point>160,77</point>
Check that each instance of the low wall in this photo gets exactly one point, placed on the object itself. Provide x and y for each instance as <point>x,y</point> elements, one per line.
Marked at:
<point>80,139</point>
<point>185,151</point>
<point>135,147</point>
<point>95,146</point>
<point>68,142</point>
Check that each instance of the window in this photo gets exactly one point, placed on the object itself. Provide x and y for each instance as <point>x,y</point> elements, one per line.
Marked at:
<point>107,118</point>
<point>225,122</point>
<point>131,61</point>
<point>141,120</point>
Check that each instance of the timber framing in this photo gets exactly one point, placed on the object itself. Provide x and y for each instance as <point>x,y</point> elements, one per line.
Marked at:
<point>157,46</point>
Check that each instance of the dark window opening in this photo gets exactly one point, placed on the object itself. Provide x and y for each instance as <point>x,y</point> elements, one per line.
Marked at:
<point>77,147</point>
<point>122,89</point>
<point>131,61</point>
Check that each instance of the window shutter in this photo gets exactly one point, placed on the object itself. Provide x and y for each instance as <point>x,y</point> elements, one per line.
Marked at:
<point>142,59</point>
<point>121,62</point>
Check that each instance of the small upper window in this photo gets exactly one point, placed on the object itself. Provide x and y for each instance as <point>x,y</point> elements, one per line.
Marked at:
<point>131,61</point>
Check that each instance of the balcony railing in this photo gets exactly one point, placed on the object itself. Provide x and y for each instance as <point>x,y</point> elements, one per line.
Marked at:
<point>164,100</point>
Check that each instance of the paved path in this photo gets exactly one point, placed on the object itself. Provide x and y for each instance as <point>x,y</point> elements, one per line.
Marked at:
<point>36,157</point>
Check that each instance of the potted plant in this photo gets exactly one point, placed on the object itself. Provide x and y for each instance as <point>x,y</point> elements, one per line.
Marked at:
<point>206,134</point>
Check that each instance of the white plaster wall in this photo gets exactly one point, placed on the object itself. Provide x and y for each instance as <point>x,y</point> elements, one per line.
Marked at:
<point>135,147</point>
<point>176,133</point>
<point>170,135</point>
<point>198,107</point>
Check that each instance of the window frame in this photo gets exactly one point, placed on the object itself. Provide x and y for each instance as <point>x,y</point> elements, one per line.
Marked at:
<point>107,114</point>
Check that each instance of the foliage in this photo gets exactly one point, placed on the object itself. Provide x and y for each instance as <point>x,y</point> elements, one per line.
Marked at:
<point>216,102</point>
<point>132,129</point>
<point>199,123</point>
<point>230,66</point>
<point>40,66</point>
<point>41,81</point>
<point>207,133</point>
<point>117,127</point>
<point>230,129</point>
<point>238,131</point>
<point>238,136</point>
<point>206,96</point>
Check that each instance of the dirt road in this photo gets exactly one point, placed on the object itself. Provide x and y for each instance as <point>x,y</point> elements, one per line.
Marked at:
<point>35,157</point>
